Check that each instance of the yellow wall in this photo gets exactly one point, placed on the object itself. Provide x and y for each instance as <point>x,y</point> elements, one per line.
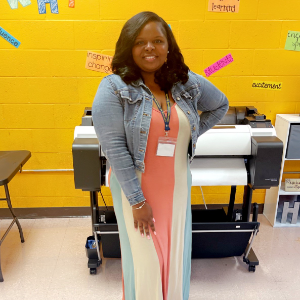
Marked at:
<point>44,85</point>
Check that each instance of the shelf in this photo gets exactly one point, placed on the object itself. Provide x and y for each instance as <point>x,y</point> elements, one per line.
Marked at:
<point>275,197</point>
<point>288,223</point>
<point>292,159</point>
<point>278,224</point>
<point>283,192</point>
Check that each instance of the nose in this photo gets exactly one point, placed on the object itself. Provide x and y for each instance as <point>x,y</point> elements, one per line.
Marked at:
<point>149,46</point>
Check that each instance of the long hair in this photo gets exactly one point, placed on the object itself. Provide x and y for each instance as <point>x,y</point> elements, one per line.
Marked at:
<point>123,64</point>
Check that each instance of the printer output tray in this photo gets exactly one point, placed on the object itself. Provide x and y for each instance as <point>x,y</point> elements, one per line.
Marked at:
<point>213,237</point>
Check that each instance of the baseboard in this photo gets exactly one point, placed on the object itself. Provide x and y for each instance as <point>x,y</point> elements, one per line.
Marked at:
<point>70,212</point>
<point>46,212</point>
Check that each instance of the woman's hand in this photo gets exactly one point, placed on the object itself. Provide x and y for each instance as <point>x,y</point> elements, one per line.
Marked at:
<point>143,219</point>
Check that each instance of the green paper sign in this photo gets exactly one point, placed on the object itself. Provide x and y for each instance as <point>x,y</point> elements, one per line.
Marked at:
<point>293,41</point>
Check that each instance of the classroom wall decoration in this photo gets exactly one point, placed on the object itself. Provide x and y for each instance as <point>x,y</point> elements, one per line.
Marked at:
<point>42,6</point>
<point>98,62</point>
<point>14,3</point>
<point>269,85</point>
<point>293,41</point>
<point>8,37</point>
<point>71,3</point>
<point>223,62</point>
<point>224,6</point>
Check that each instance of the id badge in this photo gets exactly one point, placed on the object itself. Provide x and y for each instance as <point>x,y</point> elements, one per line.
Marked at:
<point>166,146</point>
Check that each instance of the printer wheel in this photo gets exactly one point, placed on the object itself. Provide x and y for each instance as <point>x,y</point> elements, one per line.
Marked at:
<point>93,271</point>
<point>251,268</point>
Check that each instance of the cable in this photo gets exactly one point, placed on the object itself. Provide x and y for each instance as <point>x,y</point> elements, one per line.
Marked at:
<point>103,200</point>
<point>203,197</point>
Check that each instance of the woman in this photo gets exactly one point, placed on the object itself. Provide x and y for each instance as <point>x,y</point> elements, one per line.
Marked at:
<point>145,116</point>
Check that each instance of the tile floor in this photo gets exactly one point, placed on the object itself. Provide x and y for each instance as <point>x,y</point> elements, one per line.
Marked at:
<point>51,264</point>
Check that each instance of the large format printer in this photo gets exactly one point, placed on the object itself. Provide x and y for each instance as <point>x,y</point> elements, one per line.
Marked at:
<point>242,150</point>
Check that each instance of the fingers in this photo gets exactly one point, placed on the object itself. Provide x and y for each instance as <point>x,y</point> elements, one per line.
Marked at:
<point>153,228</point>
<point>141,226</point>
<point>136,225</point>
<point>144,228</point>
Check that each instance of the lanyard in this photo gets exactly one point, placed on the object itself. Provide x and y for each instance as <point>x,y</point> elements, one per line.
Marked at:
<point>166,118</point>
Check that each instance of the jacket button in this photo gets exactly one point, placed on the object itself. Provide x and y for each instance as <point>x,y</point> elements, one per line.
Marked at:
<point>188,112</point>
<point>178,98</point>
<point>194,128</point>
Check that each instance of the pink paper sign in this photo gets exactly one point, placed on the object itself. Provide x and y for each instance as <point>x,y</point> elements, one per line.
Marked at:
<point>220,64</point>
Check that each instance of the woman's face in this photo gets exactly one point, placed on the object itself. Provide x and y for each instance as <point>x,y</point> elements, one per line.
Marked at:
<point>150,48</point>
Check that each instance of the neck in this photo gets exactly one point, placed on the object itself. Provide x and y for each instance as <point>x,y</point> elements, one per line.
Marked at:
<point>149,80</point>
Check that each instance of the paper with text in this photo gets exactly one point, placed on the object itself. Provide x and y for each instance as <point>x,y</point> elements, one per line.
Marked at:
<point>293,41</point>
<point>231,6</point>
<point>220,64</point>
<point>98,62</point>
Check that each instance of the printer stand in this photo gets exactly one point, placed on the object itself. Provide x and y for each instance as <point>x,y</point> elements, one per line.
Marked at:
<point>251,260</point>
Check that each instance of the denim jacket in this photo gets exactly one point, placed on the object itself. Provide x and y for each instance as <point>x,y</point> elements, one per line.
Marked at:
<point>122,114</point>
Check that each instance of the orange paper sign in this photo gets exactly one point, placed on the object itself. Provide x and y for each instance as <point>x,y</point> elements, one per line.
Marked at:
<point>72,3</point>
<point>224,6</point>
<point>98,62</point>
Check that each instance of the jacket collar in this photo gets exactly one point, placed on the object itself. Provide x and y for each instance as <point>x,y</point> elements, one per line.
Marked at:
<point>140,82</point>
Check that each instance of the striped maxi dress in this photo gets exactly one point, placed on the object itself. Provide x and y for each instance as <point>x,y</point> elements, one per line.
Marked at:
<point>159,268</point>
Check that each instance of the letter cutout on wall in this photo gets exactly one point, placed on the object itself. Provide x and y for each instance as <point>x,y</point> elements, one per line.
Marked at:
<point>293,41</point>
<point>98,62</point>
<point>42,6</point>
<point>220,64</point>
<point>14,3</point>
<point>72,3</point>
<point>224,6</point>
<point>9,38</point>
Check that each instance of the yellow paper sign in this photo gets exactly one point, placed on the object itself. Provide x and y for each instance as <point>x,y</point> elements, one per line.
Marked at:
<point>267,85</point>
<point>224,6</point>
<point>98,62</point>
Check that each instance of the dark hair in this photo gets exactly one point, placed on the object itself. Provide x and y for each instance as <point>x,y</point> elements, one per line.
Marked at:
<point>123,64</point>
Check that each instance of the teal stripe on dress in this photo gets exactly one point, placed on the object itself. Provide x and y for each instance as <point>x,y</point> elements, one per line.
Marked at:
<point>187,252</point>
<point>127,260</point>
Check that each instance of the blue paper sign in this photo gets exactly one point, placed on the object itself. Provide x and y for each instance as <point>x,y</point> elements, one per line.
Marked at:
<point>9,38</point>
<point>42,6</point>
<point>14,3</point>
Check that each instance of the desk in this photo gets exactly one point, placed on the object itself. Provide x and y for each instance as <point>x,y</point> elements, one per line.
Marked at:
<point>11,163</point>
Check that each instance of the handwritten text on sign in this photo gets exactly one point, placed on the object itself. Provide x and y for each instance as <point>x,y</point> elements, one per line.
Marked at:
<point>98,62</point>
<point>224,5</point>
<point>267,85</point>
<point>223,62</point>
<point>293,41</point>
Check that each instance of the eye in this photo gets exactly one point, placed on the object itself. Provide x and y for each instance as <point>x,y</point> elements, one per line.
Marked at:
<point>139,43</point>
<point>158,41</point>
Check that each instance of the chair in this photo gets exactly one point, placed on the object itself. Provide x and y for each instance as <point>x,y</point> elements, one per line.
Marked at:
<point>10,163</point>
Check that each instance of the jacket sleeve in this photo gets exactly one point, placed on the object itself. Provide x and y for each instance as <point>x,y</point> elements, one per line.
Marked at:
<point>108,119</point>
<point>212,103</point>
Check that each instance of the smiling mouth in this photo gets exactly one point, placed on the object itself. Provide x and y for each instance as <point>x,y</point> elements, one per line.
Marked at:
<point>150,58</point>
